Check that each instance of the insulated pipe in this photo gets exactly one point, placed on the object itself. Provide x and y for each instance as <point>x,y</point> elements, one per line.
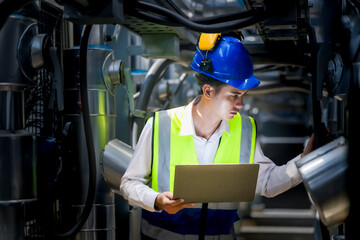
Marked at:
<point>114,161</point>
<point>151,79</point>
<point>324,167</point>
<point>17,145</point>
<point>102,116</point>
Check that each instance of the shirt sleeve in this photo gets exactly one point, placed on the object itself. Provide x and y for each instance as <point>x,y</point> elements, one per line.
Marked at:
<point>273,179</point>
<point>134,184</point>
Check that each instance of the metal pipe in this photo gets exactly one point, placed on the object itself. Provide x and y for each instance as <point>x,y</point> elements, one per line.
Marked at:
<point>17,146</point>
<point>114,161</point>
<point>101,221</point>
<point>324,167</point>
<point>12,222</point>
<point>151,79</point>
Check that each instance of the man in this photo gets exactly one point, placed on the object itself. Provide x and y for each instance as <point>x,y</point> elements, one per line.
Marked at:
<point>209,130</point>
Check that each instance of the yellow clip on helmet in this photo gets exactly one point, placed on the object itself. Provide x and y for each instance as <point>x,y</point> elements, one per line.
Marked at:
<point>225,58</point>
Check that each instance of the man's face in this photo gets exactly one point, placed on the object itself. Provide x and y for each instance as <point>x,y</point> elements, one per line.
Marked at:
<point>227,102</point>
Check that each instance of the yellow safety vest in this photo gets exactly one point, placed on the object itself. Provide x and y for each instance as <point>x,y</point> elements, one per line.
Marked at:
<point>170,149</point>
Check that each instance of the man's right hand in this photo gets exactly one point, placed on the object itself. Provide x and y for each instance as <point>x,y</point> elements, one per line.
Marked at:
<point>165,201</point>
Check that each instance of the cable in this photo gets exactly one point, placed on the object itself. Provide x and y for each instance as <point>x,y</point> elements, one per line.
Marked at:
<point>226,18</point>
<point>210,20</point>
<point>89,139</point>
<point>152,18</point>
<point>212,28</point>
<point>220,27</point>
<point>203,221</point>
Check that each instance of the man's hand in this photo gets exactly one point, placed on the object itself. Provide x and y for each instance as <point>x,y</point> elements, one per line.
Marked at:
<point>165,201</point>
<point>309,146</point>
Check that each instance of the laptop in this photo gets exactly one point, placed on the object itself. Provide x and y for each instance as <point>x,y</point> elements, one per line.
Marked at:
<point>216,183</point>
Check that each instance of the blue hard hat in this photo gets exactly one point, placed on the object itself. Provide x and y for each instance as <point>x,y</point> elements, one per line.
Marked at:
<point>229,62</point>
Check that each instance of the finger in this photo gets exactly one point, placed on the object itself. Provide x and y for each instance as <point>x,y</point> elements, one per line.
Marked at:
<point>169,195</point>
<point>175,209</point>
<point>176,202</point>
<point>185,205</point>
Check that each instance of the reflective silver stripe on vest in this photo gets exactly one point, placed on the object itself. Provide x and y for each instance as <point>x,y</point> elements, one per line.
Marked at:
<point>162,234</point>
<point>222,206</point>
<point>164,151</point>
<point>246,139</point>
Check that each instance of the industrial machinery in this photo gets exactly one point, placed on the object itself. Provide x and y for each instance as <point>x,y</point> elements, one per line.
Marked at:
<point>79,79</point>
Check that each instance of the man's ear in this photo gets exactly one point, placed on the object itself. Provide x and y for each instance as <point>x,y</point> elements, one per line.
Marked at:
<point>208,91</point>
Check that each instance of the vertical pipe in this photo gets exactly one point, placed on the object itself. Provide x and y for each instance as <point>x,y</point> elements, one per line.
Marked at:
<point>17,146</point>
<point>12,222</point>
<point>152,77</point>
<point>101,221</point>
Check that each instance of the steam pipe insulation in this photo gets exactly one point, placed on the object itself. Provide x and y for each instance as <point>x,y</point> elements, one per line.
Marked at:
<point>151,79</point>
<point>89,139</point>
<point>18,155</point>
<point>115,160</point>
<point>208,28</point>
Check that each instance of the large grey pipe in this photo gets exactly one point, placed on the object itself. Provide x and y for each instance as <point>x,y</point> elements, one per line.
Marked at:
<point>114,161</point>
<point>151,79</point>
<point>324,175</point>
<point>76,168</point>
<point>17,146</point>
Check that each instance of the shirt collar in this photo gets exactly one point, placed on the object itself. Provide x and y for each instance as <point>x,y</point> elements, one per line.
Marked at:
<point>187,123</point>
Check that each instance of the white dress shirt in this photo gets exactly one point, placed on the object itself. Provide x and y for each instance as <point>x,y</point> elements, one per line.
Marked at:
<point>272,179</point>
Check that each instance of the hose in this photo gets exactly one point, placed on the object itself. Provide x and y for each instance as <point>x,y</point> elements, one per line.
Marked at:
<point>151,79</point>
<point>227,26</point>
<point>210,20</point>
<point>89,139</point>
<point>226,18</point>
<point>153,18</point>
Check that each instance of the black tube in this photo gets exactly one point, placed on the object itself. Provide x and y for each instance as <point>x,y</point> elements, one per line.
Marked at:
<point>212,28</point>
<point>209,20</point>
<point>89,139</point>
<point>152,78</point>
<point>153,18</point>
<point>226,18</point>
<point>203,221</point>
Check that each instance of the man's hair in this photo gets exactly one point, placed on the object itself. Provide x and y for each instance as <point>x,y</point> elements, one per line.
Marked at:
<point>202,79</point>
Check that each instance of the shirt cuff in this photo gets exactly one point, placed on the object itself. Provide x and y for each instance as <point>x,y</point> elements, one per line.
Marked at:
<point>296,177</point>
<point>149,201</point>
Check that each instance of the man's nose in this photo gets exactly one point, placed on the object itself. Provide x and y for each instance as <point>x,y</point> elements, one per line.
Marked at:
<point>239,103</point>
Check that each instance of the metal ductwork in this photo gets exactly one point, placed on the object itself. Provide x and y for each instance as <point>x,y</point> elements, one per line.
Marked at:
<point>17,146</point>
<point>100,78</point>
<point>324,175</point>
<point>115,160</point>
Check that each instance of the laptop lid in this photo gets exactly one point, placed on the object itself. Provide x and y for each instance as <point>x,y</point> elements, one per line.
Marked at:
<point>216,182</point>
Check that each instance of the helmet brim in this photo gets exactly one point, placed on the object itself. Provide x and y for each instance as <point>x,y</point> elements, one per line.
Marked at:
<point>249,83</point>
